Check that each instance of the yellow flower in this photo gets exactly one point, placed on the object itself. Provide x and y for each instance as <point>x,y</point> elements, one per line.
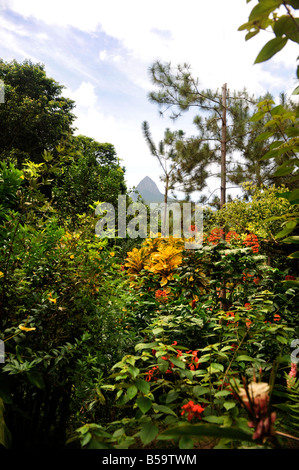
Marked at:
<point>22,177</point>
<point>112,254</point>
<point>51,299</point>
<point>1,274</point>
<point>72,256</point>
<point>24,328</point>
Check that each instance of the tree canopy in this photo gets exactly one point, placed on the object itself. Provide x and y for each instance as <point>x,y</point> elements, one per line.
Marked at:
<point>35,116</point>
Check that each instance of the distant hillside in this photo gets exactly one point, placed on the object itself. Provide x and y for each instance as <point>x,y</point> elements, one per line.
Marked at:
<point>148,190</point>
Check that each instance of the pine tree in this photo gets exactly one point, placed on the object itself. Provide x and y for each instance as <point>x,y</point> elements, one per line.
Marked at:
<point>225,135</point>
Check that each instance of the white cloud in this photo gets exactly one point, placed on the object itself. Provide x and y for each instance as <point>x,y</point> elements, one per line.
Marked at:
<point>84,96</point>
<point>201,33</point>
<point>204,34</point>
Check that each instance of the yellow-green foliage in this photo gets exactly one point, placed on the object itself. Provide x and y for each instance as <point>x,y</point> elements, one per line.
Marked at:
<point>157,255</point>
<point>258,215</point>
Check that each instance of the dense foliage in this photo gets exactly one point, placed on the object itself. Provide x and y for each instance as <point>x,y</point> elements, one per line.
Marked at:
<point>114,343</point>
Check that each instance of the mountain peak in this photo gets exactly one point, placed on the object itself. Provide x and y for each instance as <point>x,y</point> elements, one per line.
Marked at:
<point>149,191</point>
<point>149,185</point>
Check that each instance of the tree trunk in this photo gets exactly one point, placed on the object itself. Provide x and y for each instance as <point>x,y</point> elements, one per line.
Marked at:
<point>165,203</point>
<point>223,149</point>
<point>223,179</point>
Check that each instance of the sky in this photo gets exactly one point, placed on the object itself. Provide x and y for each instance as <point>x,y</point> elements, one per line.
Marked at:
<point>101,51</point>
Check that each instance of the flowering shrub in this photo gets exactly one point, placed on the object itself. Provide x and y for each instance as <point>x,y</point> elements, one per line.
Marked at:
<point>252,241</point>
<point>192,410</point>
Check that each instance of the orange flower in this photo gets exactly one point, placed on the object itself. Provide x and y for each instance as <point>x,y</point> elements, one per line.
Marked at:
<point>252,240</point>
<point>215,235</point>
<point>230,235</point>
<point>161,295</point>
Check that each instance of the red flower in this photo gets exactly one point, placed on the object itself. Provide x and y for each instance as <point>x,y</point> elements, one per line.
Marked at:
<point>193,228</point>
<point>193,410</point>
<point>290,278</point>
<point>246,275</point>
<point>247,306</point>
<point>193,303</point>
<point>150,373</point>
<point>161,295</point>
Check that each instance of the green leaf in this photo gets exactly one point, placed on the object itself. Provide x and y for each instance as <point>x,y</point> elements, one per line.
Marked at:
<point>294,239</point>
<point>287,25</point>
<point>292,131</point>
<point>36,379</point>
<point>196,430</point>
<point>215,367</point>
<point>143,386</point>
<point>177,362</point>
<point>222,393</point>
<point>244,357</point>
<point>294,255</point>
<point>228,405</point>
<point>284,232</point>
<point>281,339</point>
<point>198,390</point>
<point>270,49</point>
<point>213,419</point>
<point>171,396</point>
<point>148,432</point>
<point>294,3</point>
<point>257,116</point>
<point>131,392</point>
<point>144,404</point>
<point>5,436</point>
<point>273,153</point>
<point>164,409</point>
<point>141,346</point>
<point>263,8</point>
<point>264,136</point>
<point>251,34</point>
<point>283,170</point>
<point>134,371</point>
<point>186,443</point>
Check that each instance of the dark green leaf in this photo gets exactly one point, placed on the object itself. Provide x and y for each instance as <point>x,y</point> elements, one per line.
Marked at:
<point>294,3</point>
<point>143,386</point>
<point>270,49</point>
<point>198,390</point>
<point>144,404</point>
<point>283,170</point>
<point>36,379</point>
<point>294,239</point>
<point>264,136</point>
<point>171,396</point>
<point>197,430</point>
<point>148,432</point>
<point>164,409</point>
<point>287,25</point>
